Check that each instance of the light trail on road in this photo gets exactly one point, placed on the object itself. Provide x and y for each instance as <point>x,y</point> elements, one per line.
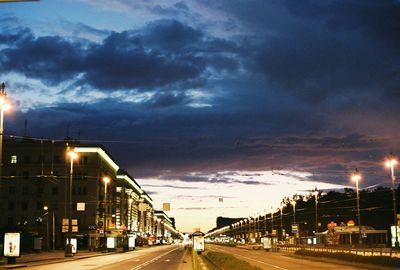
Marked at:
<point>247,258</point>
<point>153,260</point>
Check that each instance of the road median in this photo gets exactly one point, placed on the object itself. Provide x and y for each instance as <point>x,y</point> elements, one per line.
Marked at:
<point>224,261</point>
<point>378,261</point>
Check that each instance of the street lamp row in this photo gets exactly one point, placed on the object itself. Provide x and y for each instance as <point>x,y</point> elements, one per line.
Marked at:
<point>391,161</point>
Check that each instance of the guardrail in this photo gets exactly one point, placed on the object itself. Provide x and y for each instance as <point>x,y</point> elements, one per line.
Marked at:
<point>385,252</point>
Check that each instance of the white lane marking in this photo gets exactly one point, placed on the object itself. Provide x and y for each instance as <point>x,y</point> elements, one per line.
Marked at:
<point>274,266</point>
<point>140,266</point>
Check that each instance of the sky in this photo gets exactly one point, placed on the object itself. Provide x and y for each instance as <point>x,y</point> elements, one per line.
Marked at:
<point>248,101</point>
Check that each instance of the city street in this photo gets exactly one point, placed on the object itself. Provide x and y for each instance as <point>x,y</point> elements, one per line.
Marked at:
<point>278,260</point>
<point>197,134</point>
<point>161,257</point>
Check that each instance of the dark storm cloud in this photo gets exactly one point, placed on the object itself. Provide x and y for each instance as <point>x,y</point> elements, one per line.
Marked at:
<point>163,54</point>
<point>307,86</point>
<point>179,8</point>
<point>167,100</point>
<point>317,50</point>
<point>51,59</point>
<point>168,186</point>
<point>12,33</point>
<point>166,142</point>
<point>213,179</point>
<point>351,141</point>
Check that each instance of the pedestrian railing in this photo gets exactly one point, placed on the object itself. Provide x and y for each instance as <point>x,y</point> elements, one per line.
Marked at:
<point>386,252</point>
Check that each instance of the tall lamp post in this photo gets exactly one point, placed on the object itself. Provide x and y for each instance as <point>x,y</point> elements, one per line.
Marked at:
<point>391,161</point>
<point>356,176</point>
<point>130,200</point>
<point>241,230</point>
<point>294,220</point>
<point>106,180</point>
<point>46,209</point>
<point>272,221</point>
<point>53,237</point>
<point>246,230</point>
<point>3,107</point>
<point>281,209</point>
<point>315,193</point>
<point>294,211</point>
<point>68,248</point>
<point>257,226</point>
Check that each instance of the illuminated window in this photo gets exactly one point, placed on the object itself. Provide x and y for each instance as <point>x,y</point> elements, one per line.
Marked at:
<point>13,159</point>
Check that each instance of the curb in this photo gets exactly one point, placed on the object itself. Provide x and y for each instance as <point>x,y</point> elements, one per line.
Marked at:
<point>47,261</point>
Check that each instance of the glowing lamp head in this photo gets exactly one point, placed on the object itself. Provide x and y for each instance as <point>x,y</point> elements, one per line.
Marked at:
<point>106,179</point>
<point>72,155</point>
<point>6,107</point>
<point>356,177</point>
<point>391,162</point>
<point>45,208</point>
<point>2,100</point>
<point>293,203</point>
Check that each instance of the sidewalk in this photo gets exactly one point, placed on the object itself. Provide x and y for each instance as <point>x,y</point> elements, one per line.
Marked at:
<point>49,256</point>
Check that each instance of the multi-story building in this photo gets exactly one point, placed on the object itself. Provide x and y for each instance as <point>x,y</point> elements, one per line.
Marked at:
<point>164,227</point>
<point>34,194</point>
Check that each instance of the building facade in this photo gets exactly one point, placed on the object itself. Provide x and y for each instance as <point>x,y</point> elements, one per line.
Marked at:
<point>36,195</point>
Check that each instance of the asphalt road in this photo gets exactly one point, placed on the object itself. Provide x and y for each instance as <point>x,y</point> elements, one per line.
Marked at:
<point>278,260</point>
<point>154,258</point>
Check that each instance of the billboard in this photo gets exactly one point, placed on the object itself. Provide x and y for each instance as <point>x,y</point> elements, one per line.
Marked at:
<point>393,233</point>
<point>131,240</point>
<point>110,242</point>
<point>74,244</point>
<point>295,228</point>
<point>11,245</point>
<point>198,243</point>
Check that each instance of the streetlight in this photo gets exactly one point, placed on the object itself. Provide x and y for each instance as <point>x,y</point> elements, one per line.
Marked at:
<point>294,211</point>
<point>106,180</point>
<point>272,221</point>
<point>356,176</point>
<point>281,208</point>
<point>68,247</point>
<point>130,214</point>
<point>3,107</point>
<point>241,230</point>
<point>45,208</point>
<point>315,193</point>
<point>257,225</point>
<point>246,232</point>
<point>391,161</point>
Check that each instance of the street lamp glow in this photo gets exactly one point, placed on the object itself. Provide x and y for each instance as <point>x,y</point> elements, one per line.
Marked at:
<point>45,208</point>
<point>3,107</point>
<point>72,155</point>
<point>106,180</point>
<point>294,211</point>
<point>391,161</point>
<point>316,193</point>
<point>356,177</point>
<point>2,100</point>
